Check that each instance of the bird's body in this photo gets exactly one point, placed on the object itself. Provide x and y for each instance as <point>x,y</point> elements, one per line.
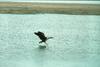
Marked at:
<point>42,37</point>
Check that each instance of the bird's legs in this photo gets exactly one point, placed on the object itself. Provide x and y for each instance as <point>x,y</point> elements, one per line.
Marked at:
<point>40,41</point>
<point>44,42</point>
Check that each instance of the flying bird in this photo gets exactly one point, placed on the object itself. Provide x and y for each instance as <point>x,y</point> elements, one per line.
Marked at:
<point>42,37</point>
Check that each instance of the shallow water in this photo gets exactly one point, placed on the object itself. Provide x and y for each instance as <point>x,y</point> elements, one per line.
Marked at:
<point>76,40</point>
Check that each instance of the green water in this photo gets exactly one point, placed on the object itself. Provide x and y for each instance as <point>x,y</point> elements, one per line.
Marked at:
<point>76,40</point>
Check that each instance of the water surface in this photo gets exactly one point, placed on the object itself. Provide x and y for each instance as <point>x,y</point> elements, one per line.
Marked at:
<point>76,40</point>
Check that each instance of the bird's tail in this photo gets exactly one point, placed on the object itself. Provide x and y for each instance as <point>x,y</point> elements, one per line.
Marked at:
<point>49,38</point>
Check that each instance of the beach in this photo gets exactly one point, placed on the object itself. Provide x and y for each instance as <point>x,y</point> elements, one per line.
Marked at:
<point>55,8</point>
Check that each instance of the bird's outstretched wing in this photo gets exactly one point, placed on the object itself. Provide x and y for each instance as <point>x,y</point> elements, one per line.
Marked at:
<point>41,33</point>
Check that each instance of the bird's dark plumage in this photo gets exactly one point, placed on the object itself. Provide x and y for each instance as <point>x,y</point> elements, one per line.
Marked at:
<point>42,36</point>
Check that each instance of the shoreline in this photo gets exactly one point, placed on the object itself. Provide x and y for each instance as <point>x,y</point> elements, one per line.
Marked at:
<point>58,8</point>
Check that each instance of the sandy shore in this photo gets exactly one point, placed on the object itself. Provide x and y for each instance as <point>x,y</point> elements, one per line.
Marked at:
<point>58,8</point>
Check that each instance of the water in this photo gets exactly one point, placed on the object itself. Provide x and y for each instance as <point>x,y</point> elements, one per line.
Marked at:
<point>76,40</point>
